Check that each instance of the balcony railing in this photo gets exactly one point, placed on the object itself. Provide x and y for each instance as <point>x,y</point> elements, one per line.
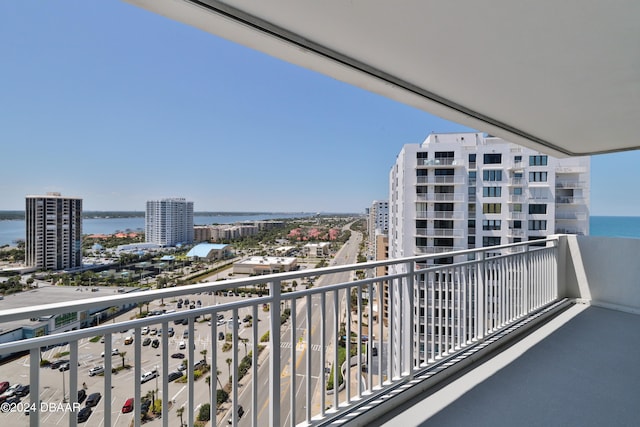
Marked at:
<point>439,232</point>
<point>440,180</point>
<point>570,200</point>
<point>440,215</point>
<point>440,162</point>
<point>439,197</point>
<point>482,298</point>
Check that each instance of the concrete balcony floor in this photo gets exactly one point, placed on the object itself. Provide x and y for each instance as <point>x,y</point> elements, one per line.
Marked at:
<point>579,369</point>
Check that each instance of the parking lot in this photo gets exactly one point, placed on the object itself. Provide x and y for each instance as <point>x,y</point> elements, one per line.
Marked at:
<point>55,382</point>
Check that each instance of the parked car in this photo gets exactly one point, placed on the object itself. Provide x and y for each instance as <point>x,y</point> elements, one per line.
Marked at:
<point>93,399</point>
<point>145,330</point>
<point>182,345</point>
<point>146,341</point>
<point>82,395</point>
<point>128,406</point>
<point>144,406</point>
<point>23,390</point>
<point>240,414</point>
<point>148,376</point>
<point>174,376</point>
<point>171,332</point>
<point>220,336</point>
<point>154,331</point>
<point>96,370</point>
<point>185,333</point>
<point>114,352</point>
<point>58,363</point>
<point>177,356</point>
<point>64,367</point>
<point>84,414</point>
<point>155,343</point>
<point>199,365</point>
<point>128,340</point>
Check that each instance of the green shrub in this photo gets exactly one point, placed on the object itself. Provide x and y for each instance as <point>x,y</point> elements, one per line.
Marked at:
<point>204,414</point>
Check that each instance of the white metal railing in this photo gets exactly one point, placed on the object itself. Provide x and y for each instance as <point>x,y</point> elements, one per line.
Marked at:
<point>433,311</point>
<point>440,215</point>
<point>439,232</point>
<point>440,162</point>
<point>439,197</point>
<point>569,200</point>
<point>440,180</point>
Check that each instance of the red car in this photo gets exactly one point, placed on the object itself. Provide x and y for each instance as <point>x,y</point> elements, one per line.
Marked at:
<point>4,386</point>
<point>128,406</point>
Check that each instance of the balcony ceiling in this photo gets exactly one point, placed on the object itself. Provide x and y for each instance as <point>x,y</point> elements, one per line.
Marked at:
<point>561,77</point>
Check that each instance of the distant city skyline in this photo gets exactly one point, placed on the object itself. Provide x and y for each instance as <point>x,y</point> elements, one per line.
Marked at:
<point>116,105</point>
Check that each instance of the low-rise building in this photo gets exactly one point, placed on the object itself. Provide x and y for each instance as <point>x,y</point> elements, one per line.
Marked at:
<point>317,249</point>
<point>210,251</point>
<point>258,265</point>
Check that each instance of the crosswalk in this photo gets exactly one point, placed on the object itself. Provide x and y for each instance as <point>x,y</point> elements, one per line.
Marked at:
<point>301,346</point>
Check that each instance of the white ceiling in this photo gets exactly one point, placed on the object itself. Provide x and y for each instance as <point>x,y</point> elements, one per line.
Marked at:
<point>559,76</point>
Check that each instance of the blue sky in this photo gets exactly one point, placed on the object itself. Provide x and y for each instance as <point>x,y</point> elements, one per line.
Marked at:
<point>117,105</point>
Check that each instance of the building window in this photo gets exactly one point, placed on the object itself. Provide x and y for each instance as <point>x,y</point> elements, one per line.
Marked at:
<point>492,175</point>
<point>444,172</point>
<point>443,207</point>
<point>471,223</point>
<point>472,158</point>
<point>538,209</point>
<point>492,191</point>
<point>491,224</point>
<point>517,207</point>
<point>471,240</point>
<point>517,191</point>
<point>517,159</point>
<point>443,224</point>
<point>492,159</point>
<point>471,207</point>
<point>443,242</point>
<point>490,208</point>
<point>537,177</point>
<point>490,241</point>
<point>517,225</point>
<point>422,155</point>
<point>537,224</point>
<point>538,160</point>
<point>472,177</point>
<point>421,241</point>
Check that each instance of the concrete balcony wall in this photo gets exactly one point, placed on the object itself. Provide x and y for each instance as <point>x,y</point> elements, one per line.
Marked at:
<point>602,270</point>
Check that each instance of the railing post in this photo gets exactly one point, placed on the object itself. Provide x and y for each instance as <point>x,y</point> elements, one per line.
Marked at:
<point>408,350</point>
<point>34,386</point>
<point>274,360</point>
<point>525,281</point>
<point>480,296</point>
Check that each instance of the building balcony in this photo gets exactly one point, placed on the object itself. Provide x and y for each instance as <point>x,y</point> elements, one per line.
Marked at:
<point>571,169</point>
<point>570,200</point>
<point>439,232</point>
<point>422,163</point>
<point>570,183</point>
<point>439,197</point>
<point>516,199</point>
<point>440,215</point>
<point>516,182</point>
<point>421,250</point>
<point>429,180</point>
<point>531,332</point>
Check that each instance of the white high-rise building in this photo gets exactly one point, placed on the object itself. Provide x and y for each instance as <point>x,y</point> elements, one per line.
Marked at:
<point>466,190</point>
<point>53,232</point>
<point>169,222</point>
<point>378,223</point>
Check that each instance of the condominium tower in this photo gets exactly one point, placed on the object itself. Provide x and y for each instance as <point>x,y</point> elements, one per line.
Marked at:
<point>378,223</point>
<point>169,222</point>
<point>466,190</point>
<point>53,232</point>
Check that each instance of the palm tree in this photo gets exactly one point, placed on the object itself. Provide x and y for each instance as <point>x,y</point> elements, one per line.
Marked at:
<point>208,381</point>
<point>123,354</point>
<point>204,355</point>
<point>218,372</point>
<point>179,413</point>
<point>229,360</point>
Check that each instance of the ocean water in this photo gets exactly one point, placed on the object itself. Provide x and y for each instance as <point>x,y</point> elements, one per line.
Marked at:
<point>12,230</point>
<point>615,226</point>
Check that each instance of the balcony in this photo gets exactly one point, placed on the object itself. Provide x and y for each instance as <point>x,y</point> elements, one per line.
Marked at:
<point>545,324</point>
<point>440,215</point>
<point>439,162</point>
<point>439,197</point>
<point>439,232</point>
<point>570,200</point>
<point>570,183</point>
<point>459,180</point>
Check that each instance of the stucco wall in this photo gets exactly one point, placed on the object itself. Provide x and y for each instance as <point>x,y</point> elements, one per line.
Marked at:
<point>605,270</point>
